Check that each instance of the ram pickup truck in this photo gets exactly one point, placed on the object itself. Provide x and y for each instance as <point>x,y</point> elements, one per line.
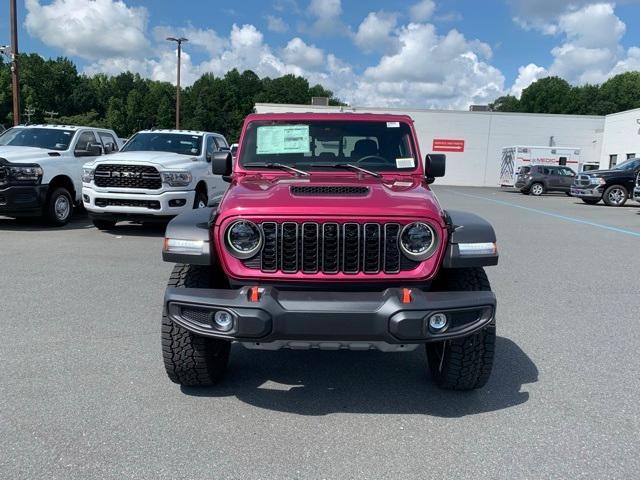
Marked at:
<point>157,175</point>
<point>614,186</point>
<point>41,168</point>
<point>329,237</point>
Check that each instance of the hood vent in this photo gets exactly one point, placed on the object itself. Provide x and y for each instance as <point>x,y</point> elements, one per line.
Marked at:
<point>334,190</point>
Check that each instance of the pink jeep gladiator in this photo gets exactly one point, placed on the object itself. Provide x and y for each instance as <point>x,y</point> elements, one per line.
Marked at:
<point>329,237</point>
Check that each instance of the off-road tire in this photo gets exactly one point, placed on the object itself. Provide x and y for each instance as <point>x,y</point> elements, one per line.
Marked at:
<point>104,224</point>
<point>591,201</point>
<point>189,359</point>
<point>623,194</point>
<point>535,191</point>
<point>200,199</point>
<point>59,207</point>
<point>464,363</point>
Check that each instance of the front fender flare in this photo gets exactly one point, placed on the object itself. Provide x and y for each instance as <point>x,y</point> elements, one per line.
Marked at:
<point>468,228</point>
<point>193,225</point>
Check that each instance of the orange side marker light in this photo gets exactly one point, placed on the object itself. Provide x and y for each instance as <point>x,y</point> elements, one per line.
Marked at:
<point>406,295</point>
<point>254,294</point>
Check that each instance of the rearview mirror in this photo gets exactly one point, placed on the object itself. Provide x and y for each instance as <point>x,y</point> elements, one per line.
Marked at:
<point>435,165</point>
<point>221,163</point>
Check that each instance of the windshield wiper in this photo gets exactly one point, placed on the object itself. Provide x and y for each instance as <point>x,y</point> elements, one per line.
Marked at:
<point>355,167</point>
<point>281,166</point>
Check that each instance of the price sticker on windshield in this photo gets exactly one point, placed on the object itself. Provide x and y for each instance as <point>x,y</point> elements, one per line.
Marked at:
<point>274,139</point>
<point>405,163</point>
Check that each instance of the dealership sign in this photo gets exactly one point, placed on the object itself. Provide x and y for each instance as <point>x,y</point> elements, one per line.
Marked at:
<point>447,145</point>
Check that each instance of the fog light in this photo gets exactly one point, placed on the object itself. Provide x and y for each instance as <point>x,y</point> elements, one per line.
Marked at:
<point>223,321</point>
<point>179,202</point>
<point>438,322</point>
<point>85,198</point>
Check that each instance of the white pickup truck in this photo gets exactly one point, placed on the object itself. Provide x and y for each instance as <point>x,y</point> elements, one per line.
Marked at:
<point>41,168</point>
<point>157,175</point>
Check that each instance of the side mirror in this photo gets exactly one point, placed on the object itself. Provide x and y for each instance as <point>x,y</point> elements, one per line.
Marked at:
<point>435,165</point>
<point>221,163</point>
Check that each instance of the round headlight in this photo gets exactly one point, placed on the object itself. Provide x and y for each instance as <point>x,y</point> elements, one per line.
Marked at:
<point>244,239</point>
<point>418,241</point>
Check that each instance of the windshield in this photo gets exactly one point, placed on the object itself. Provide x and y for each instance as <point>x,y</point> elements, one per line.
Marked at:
<point>628,165</point>
<point>183,144</point>
<point>49,138</point>
<point>314,144</point>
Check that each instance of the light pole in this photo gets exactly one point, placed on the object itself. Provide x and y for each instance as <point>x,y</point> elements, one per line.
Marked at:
<point>14,63</point>
<point>179,41</point>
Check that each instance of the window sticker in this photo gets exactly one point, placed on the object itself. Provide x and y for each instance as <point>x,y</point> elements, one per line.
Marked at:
<point>393,124</point>
<point>405,163</point>
<point>274,139</point>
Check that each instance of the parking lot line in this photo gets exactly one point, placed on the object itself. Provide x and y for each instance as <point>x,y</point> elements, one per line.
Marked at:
<point>550,214</point>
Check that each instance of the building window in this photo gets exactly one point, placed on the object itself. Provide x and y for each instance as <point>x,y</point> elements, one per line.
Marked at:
<point>613,160</point>
<point>630,156</point>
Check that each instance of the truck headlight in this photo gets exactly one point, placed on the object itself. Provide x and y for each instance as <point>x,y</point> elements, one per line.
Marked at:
<point>87,175</point>
<point>31,173</point>
<point>243,239</point>
<point>176,179</point>
<point>418,241</point>
<point>598,181</point>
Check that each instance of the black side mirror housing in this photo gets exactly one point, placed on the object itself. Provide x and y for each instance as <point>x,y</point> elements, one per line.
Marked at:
<point>435,165</point>
<point>221,164</point>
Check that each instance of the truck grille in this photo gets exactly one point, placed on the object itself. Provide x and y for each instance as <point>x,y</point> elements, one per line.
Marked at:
<point>311,247</point>
<point>582,181</point>
<point>127,176</point>
<point>118,202</point>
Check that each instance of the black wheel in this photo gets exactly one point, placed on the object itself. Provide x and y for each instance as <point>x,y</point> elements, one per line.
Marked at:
<point>536,189</point>
<point>464,363</point>
<point>104,224</point>
<point>59,207</point>
<point>200,200</point>
<point>190,359</point>
<point>615,196</point>
<point>591,201</point>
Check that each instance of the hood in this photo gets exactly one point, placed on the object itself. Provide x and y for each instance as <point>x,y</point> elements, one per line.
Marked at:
<point>27,154</point>
<point>273,196</point>
<point>606,173</point>
<point>159,159</point>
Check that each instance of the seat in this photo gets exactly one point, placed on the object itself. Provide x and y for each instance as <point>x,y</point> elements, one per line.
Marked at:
<point>364,148</point>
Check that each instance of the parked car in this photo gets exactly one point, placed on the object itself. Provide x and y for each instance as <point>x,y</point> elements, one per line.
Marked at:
<point>157,175</point>
<point>329,237</point>
<point>614,186</point>
<point>538,179</point>
<point>636,192</point>
<point>41,168</point>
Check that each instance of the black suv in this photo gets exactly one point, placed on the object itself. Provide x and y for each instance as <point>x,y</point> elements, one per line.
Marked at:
<point>613,186</point>
<point>538,179</point>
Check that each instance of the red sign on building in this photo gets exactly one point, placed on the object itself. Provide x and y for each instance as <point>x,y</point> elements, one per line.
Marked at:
<point>447,145</point>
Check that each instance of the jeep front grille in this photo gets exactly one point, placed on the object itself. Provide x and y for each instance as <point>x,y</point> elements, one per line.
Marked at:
<point>330,247</point>
<point>127,176</point>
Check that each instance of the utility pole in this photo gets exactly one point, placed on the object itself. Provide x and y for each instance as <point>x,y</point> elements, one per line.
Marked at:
<point>50,115</point>
<point>28,112</point>
<point>15,79</point>
<point>179,41</point>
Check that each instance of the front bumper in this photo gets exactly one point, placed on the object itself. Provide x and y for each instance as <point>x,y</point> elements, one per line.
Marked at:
<point>295,318</point>
<point>590,191</point>
<point>136,205</point>
<point>23,200</point>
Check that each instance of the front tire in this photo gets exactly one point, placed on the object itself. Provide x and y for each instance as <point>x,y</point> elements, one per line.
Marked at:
<point>615,196</point>
<point>200,200</point>
<point>189,359</point>
<point>463,363</point>
<point>536,189</point>
<point>59,207</point>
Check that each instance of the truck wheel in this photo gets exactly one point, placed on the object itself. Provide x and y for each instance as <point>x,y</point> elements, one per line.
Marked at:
<point>537,189</point>
<point>59,207</point>
<point>189,359</point>
<point>104,224</point>
<point>615,196</point>
<point>590,201</point>
<point>200,200</point>
<point>464,363</point>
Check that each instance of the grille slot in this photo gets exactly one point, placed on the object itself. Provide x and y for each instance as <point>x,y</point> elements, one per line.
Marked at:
<point>116,202</point>
<point>330,190</point>
<point>330,247</point>
<point>127,176</point>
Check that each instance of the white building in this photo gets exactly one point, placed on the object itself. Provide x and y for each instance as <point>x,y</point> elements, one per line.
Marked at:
<point>473,141</point>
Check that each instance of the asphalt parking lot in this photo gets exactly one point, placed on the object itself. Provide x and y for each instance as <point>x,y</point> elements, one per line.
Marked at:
<point>85,394</point>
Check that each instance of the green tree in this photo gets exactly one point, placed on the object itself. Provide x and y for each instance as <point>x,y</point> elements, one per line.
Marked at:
<point>508,103</point>
<point>548,95</point>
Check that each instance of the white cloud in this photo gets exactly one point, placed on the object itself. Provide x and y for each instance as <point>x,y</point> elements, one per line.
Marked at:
<point>205,39</point>
<point>276,24</point>
<point>422,11</point>
<point>526,76</point>
<point>302,55</point>
<point>375,33</point>
<point>89,29</point>
<point>327,18</point>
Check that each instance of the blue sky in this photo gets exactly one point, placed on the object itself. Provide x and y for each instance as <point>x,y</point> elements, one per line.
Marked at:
<point>431,53</point>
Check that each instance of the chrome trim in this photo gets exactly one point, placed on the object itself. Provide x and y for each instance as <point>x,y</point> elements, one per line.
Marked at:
<point>238,254</point>
<point>282,247</point>
<point>364,255</point>
<point>419,257</point>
